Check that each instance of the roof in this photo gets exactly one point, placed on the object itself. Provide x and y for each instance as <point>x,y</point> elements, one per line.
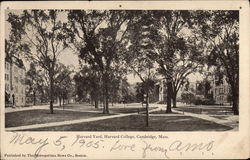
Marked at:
<point>15,60</point>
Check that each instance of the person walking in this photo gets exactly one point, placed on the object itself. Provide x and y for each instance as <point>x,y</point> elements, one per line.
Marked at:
<point>13,100</point>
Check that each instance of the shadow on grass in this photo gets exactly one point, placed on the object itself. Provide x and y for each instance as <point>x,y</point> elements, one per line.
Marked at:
<point>39,116</point>
<point>137,123</point>
<point>208,110</point>
<point>112,110</point>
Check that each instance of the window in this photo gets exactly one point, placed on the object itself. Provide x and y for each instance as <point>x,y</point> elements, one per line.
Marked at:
<point>221,90</point>
<point>217,99</point>
<point>7,87</point>
<point>225,89</point>
<point>216,91</point>
<point>6,65</point>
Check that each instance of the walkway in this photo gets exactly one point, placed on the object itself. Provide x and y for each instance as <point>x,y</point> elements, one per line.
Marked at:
<point>231,121</point>
<point>18,109</point>
<point>52,124</point>
<point>228,120</point>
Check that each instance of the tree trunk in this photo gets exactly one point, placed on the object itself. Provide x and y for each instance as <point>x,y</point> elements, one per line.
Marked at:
<point>51,94</point>
<point>103,101</point>
<point>34,97</point>
<point>169,92</point>
<point>234,83</point>
<point>147,108</point>
<point>96,103</point>
<point>104,104</point>
<point>105,94</point>
<point>107,99</point>
<point>107,105</point>
<point>174,100</point>
<point>60,101</point>
<point>235,106</point>
<point>42,98</point>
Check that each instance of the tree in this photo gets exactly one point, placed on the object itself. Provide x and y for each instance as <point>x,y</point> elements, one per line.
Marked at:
<point>41,31</point>
<point>63,82</point>
<point>13,45</point>
<point>88,82</point>
<point>188,97</point>
<point>35,81</point>
<point>220,29</point>
<point>175,53</point>
<point>137,52</point>
<point>95,37</point>
<point>188,61</point>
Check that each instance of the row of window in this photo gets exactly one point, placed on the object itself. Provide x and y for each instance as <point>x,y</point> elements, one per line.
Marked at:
<point>223,90</point>
<point>7,77</point>
<point>7,88</point>
<point>220,99</point>
<point>7,66</point>
<point>16,79</point>
<point>16,100</point>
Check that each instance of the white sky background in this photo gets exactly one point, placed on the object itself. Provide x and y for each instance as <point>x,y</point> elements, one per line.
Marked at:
<point>67,57</point>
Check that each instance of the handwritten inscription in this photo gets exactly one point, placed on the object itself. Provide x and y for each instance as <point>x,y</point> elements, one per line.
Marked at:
<point>115,145</point>
<point>22,139</point>
<point>122,147</point>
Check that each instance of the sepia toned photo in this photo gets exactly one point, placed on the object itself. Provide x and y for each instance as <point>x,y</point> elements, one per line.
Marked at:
<point>121,70</point>
<point>126,80</point>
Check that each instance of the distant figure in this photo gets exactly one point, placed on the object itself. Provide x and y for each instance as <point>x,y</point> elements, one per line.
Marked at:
<point>7,97</point>
<point>13,99</point>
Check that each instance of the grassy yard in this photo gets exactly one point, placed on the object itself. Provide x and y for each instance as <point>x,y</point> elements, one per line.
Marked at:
<point>126,109</point>
<point>210,110</point>
<point>163,111</point>
<point>40,116</point>
<point>137,123</point>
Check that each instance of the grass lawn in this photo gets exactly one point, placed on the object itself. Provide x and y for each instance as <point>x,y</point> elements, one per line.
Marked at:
<point>163,111</point>
<point>39,116</point>
<point>137,123</point>
<point>207,110</point>
<point>125,109</point>
<point>222,117</point>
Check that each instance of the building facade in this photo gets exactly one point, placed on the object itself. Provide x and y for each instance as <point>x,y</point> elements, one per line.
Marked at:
<point>14,82</point>
<point>163,90</point>
<point>220,90</point>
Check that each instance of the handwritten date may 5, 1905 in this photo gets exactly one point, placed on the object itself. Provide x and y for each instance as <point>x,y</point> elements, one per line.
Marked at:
<point>112,145</point>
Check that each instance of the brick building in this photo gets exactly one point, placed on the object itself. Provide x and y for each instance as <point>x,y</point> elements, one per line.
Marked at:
<point>14,82</point>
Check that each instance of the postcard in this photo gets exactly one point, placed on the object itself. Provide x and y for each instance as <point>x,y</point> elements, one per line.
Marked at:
<point>125,80</point>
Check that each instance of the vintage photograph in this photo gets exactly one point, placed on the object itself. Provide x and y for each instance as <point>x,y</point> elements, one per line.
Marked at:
<point>121,70</point>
